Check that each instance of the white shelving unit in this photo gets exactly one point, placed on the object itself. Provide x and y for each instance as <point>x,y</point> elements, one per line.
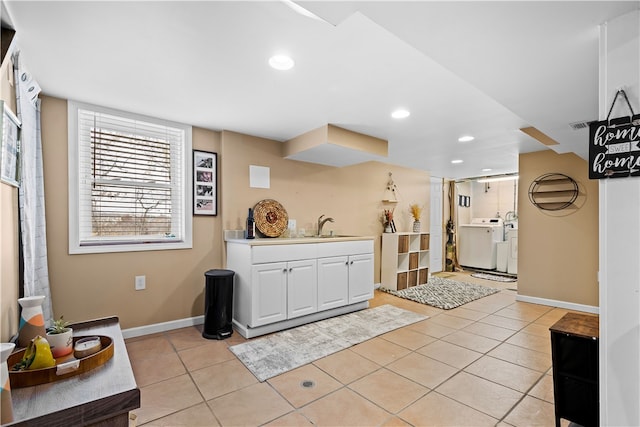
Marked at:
<point>404,260</point>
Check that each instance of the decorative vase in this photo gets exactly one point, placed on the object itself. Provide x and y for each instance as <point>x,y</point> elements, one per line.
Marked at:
<point>61,344</point>
<point>387,228</point>
<point>6,405</point>
<point>416,226</point>
<point>31,320</point>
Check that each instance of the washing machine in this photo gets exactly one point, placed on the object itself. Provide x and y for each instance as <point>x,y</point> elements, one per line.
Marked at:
<point>477,242</point>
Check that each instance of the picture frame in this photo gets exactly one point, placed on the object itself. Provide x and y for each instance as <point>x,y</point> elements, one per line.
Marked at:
<point>205,183</point>
<point>10,153</point>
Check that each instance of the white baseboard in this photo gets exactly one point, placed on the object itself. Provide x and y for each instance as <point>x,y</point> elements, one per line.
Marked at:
<point>162,327</point>
<point>559,304</point>
<point>169,326</point>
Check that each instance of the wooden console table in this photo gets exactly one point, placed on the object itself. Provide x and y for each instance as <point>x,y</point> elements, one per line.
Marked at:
<point>574,349</point>
<point>100,397</point>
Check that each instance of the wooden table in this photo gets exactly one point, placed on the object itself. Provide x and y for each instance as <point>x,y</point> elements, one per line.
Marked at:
<point>575,354</point>
<point>100,397</point>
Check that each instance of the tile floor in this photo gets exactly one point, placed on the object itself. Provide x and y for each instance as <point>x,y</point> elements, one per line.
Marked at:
<point>485,363</point>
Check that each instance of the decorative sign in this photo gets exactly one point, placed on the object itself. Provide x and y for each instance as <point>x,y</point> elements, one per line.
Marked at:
<point>614,150</point>
<point>614,146</point>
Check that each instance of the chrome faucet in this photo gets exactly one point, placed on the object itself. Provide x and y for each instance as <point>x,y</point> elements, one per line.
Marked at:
<point>321,223</point>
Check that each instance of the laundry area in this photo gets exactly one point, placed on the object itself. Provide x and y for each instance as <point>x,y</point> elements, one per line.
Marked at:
<point>487,225</point>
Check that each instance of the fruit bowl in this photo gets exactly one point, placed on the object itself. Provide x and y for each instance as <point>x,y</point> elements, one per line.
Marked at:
<point>66,366</point>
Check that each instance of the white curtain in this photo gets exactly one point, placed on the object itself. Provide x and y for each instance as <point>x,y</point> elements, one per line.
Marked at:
<point>31,192</point>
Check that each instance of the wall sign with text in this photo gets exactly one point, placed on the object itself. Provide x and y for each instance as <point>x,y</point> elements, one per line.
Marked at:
<point>614,145</point>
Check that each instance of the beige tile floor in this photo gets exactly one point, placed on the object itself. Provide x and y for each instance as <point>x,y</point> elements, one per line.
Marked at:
<point>485,363</point>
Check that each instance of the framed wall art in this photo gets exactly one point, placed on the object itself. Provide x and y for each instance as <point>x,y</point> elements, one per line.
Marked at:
<point>205,185</point>
<point>10,154</point>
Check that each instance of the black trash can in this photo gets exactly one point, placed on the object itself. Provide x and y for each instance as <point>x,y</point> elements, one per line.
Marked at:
<point>218,304</point>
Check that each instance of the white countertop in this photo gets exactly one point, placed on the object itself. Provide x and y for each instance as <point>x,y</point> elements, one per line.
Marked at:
<point>297,240</point>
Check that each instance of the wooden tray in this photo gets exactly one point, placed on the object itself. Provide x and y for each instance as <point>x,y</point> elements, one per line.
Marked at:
<point>67,365</point>
<point>271,217</point>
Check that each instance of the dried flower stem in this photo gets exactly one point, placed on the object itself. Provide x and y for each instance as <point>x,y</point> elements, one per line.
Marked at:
<point>416,211</point>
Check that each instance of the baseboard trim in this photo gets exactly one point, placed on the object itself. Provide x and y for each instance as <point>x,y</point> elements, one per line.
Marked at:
<point>198,320</point>
<point>560,304</point>
<point>162,327</point>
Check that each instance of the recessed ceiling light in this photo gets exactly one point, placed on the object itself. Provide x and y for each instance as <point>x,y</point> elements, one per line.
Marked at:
<point>457,161</point>
<point>281,62</point>
<point>400,114</point>
<point>466,138</point>
<point>487,170</point>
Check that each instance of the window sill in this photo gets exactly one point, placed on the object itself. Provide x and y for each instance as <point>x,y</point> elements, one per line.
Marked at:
<point>130,247</point>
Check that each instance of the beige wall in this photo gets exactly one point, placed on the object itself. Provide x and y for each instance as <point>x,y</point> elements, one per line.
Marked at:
<point>351,195</point>
<point>490,199</point>
<point>558,250</point>
<point>8,229</point>
<point>95,285</point>
<point>463,214</point>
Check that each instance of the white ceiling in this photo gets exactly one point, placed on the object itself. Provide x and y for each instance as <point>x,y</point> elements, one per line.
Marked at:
<point>479,68</point>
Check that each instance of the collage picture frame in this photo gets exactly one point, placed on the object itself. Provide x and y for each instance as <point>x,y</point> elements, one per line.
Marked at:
<point>205,185</point>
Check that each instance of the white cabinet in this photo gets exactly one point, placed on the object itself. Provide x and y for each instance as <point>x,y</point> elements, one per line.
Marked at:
<point>333,282</point>
<point>404,260</point>
<point>269,296</point>
<point>283,290</point>
<point>360,278</point>
<point>344,280</point>
<point>278,286</point>
<point>302,288</point>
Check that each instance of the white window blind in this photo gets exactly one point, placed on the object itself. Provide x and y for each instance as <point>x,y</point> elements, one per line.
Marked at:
<point>132,182</point>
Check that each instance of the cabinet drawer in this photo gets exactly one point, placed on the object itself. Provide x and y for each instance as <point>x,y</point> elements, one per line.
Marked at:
<point>424,242</point>
<point>355,247</point>
<point>575,356</point>
<point>577,401</point>
<point>424,276</point>
<point>412,278</point>
<point>403,244</point>
<point>402,281</point>
<point>413,261</point>
<point>278,253</point>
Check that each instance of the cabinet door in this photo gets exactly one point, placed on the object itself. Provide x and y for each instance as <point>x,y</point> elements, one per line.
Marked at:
<point>360,278</point>
<point>333,282</point>
<point>269,293</point>
<point>302,288</point>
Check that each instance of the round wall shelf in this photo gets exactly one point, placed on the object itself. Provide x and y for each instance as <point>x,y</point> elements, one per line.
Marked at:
<point>553,191</point>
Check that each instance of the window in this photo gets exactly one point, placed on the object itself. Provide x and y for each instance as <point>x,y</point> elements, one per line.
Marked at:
<point>129,182</point>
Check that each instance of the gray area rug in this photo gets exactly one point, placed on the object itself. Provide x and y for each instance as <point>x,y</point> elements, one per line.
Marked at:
<point>444,293</point>
<point>494,277</point>
<point>278,353</point>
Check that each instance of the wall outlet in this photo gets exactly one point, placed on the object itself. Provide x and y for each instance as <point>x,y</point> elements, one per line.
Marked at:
<point>141,283</point>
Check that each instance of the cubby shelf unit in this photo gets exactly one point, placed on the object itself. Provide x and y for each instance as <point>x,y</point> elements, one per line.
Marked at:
<point>404,260</point>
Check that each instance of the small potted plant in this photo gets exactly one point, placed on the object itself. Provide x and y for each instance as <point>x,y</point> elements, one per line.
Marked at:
<point>60,337</point>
